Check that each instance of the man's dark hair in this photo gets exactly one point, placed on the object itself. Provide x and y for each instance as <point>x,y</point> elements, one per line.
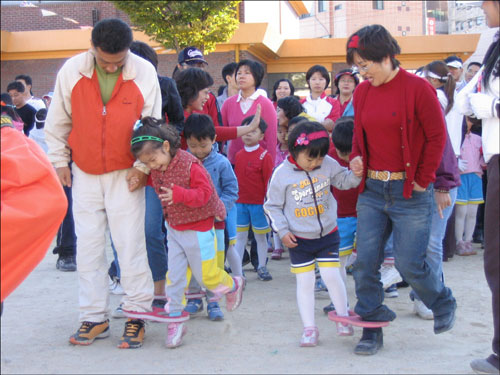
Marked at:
<point>291,106</point>
<point>199,126</point>
<point>16,85</point>
<point>262,123</point>
<point>27,79</point>
<point>374,43</point>
<point>190,82</point>
<point>228,70</point>
<point>145,51</point>
<point>111,35</point>
<point>474,63</point>
<point>256,69</point>
<point>342,134</point>
<point>318,69</point>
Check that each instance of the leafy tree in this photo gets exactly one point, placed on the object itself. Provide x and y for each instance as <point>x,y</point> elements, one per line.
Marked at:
<point>179,24</point>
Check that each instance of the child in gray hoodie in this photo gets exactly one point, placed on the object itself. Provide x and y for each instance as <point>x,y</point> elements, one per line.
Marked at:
<point>303,211</point>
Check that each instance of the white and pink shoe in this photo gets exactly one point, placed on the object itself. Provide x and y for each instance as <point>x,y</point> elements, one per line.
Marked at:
<point>309,337</point>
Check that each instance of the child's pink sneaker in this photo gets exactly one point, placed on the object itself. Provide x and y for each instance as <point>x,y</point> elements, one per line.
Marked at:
<point>309,337</point>
<point>175,333</point>
<point>233,299</point>
<point>277,254</point>
<point>344,329</point>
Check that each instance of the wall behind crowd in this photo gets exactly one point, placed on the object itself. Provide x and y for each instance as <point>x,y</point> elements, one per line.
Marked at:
<point>74,15</point>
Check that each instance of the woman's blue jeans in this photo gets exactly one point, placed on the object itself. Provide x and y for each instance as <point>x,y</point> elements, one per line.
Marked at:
<point>438,229</point>
<point>381,209</point>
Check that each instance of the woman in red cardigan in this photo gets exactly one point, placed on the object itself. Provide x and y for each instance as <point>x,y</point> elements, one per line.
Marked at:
<point>399,137</point>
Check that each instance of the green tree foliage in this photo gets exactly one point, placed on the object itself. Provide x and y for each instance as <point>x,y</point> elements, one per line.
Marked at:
<point>179,24</point>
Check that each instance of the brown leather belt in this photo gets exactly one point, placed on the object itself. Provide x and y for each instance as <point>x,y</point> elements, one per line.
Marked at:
<point>386,175</point>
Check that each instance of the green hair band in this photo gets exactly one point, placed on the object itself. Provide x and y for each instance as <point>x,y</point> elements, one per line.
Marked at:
<point>143,138</point>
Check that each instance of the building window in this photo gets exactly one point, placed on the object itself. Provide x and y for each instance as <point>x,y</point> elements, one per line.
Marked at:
<point>399,9</point>
<point>338,7</point>
<point>321,6</point>
<point>400,28</point>
<point>407,28</point>
<point>378,4</point>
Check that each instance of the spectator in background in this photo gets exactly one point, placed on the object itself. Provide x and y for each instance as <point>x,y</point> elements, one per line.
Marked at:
<point>472,69</point>
<point>281,89</point>
<point>249,75</point>
<point>345,81</point>
<point>455,65</point>
<point>191,57</point>
<point>317,104</point>
<point>229,76</point>
<point>24,110</point>
<point>9,109</point>
<point>37,133</point>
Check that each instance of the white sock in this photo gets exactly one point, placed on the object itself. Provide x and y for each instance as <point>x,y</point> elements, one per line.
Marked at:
<point>261,240</point>
<point>241,243</point>
<point>234,261</point>
<point>470,221</point>
<point>305,297</point>
<point>460,213</point>
<point>336,288</point>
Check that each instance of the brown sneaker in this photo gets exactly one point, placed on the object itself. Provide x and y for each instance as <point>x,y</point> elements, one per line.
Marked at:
<point>89,331</point>
<point>133,335</point>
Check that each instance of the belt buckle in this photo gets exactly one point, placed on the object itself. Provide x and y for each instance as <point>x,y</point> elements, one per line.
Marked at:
<point>388,176</point>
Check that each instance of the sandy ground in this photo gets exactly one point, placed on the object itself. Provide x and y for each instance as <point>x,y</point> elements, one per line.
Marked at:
<point>260,337</point>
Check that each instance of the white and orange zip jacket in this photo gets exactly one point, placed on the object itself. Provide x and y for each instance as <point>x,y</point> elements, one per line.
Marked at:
<point>81,128</point>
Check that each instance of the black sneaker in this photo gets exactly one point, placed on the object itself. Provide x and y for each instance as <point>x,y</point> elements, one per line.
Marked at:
<point>371,341</point>
<point>329,308</point>
<point>263,274</point>
<point>66,263</point>
<point>133,335</point>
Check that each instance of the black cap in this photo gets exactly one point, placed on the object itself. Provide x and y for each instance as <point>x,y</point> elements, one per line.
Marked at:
<point>191,55</point>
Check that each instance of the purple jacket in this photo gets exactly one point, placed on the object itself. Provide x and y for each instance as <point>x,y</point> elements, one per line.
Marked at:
<point>447,174</point>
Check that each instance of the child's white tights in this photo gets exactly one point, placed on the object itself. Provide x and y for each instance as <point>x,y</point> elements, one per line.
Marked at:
<point>465,220</point>
<point>234,261</point>
<point>305,293</point>
<point>260,238</point>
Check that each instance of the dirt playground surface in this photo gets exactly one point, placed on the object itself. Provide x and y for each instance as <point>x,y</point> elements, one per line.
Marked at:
<point>262,336</point>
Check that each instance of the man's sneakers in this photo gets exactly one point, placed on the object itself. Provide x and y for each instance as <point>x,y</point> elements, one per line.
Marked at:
<point>391,292</point>
<point>483,366</point>
<point>233,299</point>
<point>175,333</point>
<point>309,337</point>
<point>89,331</point>
<point>215,314</point>
<point>389,275</point>
<point>371,341</point>
<point>263,274</point>
<point>421,310</point>
<point>66,263</point>
<point>194,306</point>
<point>445,322</point>
<point>329,308</point>
<point>133,335</point>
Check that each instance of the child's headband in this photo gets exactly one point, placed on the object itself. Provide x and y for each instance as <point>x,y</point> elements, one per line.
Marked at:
<point>434,75</point>
<point>143,138</point>
<point>354,42</point>
<point>304,139</point>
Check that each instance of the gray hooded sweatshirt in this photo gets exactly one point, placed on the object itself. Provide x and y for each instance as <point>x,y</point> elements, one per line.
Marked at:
<point>301,202</point>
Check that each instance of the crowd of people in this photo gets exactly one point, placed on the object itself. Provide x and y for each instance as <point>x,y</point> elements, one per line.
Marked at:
<point>186,186</point>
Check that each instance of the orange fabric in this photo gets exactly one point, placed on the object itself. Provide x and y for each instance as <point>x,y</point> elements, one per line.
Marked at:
<point>33,205</point>
<point>100,136</point>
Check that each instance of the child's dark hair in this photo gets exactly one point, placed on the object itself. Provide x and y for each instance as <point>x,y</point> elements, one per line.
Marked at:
<point>291,106</point>
<point>373,43</point>
<point>145,51</point>
<point>296,120</point>
<point>200,127</point>
<point>276,85</point>
<point>8,108</point>
<point>190,82</point>
<point>439,68</point>
<point>262,123</point>
<point>27,79</point>
<point>111,35</point>
<point>156,130</point>
<point>342,134</point>
<point>317,147</point>
<point>318,69</point>
<point>256,69</point>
